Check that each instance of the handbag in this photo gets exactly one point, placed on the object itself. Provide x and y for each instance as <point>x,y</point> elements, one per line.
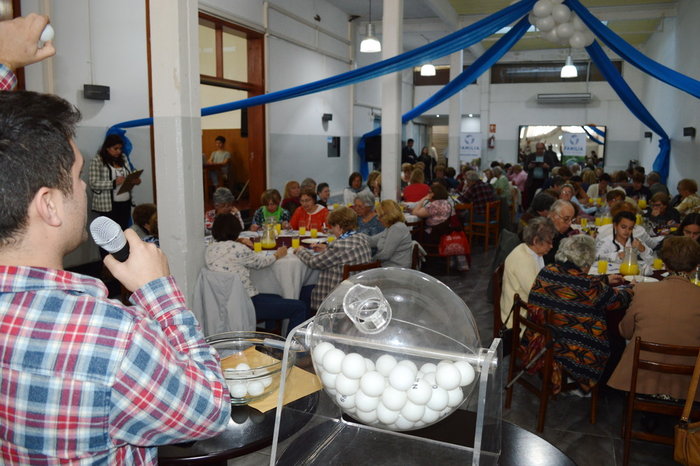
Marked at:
<point>686,449</point>
<point>454,244</point>
<point>506,335</point>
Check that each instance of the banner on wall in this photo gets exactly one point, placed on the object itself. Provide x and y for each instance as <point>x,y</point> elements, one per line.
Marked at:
<point>573,148</point>
<point>469,147</point>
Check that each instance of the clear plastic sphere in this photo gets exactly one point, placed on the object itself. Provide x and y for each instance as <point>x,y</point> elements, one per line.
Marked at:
<point>399,320</point>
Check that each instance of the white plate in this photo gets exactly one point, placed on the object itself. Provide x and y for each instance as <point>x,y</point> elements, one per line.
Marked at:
<point>313,240</point>
<point>640,279</point>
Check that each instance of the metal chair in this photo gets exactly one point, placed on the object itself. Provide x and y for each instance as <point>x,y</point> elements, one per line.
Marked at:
<point>517,366</point>
<point>645,403</point>
<point>348,269</point>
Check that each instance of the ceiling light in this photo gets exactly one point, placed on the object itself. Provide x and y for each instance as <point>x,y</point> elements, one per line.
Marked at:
<point>427,70</point>
<point>569,69</point>
<point>370,44</point>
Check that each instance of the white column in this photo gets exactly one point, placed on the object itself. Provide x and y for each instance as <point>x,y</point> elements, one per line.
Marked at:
<point>455,105</point>
<point>177,134</point>
<point>392,45</point>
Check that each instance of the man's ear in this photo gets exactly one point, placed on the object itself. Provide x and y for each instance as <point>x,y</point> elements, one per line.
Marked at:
<point>47,206</point>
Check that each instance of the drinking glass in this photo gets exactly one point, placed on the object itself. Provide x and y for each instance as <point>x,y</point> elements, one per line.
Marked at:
<point>295,242</point>
<point>658,263</point>
<point>257,245</point>
<point>302,231</point>
<point>314,232</point>
<point>602,267</point>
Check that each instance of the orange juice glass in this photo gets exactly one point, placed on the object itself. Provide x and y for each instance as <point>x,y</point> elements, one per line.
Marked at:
<point>602,267</point>
<point>257,246</point>
<point>295,242</point>
<point>658,263</point>
<point>331,238</point>
<point>302,231</point>
<point>314,232</point>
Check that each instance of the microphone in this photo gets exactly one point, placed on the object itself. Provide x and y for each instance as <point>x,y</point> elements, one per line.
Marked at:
<point>46,35</point>
<point>109,236</point>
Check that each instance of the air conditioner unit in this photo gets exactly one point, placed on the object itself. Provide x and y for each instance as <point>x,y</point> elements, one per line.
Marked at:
<point>572,98</point>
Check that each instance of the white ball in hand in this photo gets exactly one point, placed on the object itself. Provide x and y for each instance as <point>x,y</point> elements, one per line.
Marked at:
<point>46,35</point>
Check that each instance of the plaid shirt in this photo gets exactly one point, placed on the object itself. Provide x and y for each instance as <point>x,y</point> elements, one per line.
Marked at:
<point>86,380</point>
<point>351,250</point>
<point>478,194</point>
<point>8,80</point>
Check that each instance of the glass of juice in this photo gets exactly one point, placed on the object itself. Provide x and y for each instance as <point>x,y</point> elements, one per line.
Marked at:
<point>658,263</point>
<point>278,228</point>
<point>602,267</point>
<point>257,245</point>
<point>331,238</point>
<point>314,232</point>
<point>295,242</point>
<point>302,231</point>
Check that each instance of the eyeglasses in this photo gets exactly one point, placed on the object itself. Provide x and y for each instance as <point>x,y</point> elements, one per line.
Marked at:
<point>565,219</point>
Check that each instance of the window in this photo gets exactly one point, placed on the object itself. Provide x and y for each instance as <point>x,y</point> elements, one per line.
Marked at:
<point>545,72</point>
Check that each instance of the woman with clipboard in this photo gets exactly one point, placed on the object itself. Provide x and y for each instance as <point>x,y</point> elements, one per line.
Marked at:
<point>111,180</point>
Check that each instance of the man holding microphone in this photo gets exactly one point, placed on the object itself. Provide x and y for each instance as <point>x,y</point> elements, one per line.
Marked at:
<point>84,378</point>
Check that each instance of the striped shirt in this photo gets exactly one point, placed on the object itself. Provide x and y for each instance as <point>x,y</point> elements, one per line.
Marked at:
<point>87,380</point>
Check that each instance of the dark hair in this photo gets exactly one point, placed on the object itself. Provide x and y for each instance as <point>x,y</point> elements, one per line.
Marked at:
<point>605,177</point>
<point>270,195</point>
<point>220,138</point>
<point>344,217</point>
<point>638,177</point>
<point>226,227</point>
<point>320,187</point>
<point>617,218</point>
<point>36,131</point>
<point>690,219</point>
<point>439,191</point>
<point>542,201</point>
<point>110,141</point>
<point>409,140</point>
<point>680,254</point>
<point>309,192</point>
<point>142,214</point>
<point>354,175</point>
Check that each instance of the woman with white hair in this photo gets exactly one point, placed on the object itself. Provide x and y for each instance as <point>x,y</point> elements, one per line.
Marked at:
<point>367,219</point>
<point>583,307</point>
<point>524,263</point>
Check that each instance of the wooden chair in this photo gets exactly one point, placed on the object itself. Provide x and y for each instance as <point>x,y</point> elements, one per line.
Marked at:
<point>348,269</point>
<point>497,287</point>
<point>415,256</point>
<point>645,403</point>
<point>488,227</point>
<point>544,390</point>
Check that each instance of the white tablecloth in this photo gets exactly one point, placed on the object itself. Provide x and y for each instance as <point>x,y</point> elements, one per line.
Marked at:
<point>285,277</point>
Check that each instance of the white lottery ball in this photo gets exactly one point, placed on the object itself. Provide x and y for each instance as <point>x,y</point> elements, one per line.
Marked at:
<point>328,379</point>
<point>332,392</point>
<point>237,389</point>
<point>345,401</point>
<point>466,372</point>
<point>333,360</point>
<point>385,415</point>
<point>430,415</point>
<point>365,402</point>
<point>419,424</point>
<point>266,381</point>
<point>256,388</point>
<point>372,383</point>
<point>47,34</point>
<point>346,385</point>
<point>321,350</point>
<point>353,366</point>
<point>412,412</point>
<point>393,398</point>
<point>420,392</point>
<point>368,417</point>
<point>455,397</point>
<point>402,377</point>
<point>447,376</point>
<point>403,424</point>
<point>438,399</point>
<point>430,378</point>
<point>370,365</point>
<point>243,367</point>
<point>385,363</point>
<point>409,363</point>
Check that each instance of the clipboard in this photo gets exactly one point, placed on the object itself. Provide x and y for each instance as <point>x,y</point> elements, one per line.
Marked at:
<point>129,182</point>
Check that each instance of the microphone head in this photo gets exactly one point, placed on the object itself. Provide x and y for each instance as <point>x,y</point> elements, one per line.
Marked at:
<point>107,234</point>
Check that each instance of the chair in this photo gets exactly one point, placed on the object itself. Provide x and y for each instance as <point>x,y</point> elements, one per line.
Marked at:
<point>487,228</point>
<point>497,287</point>
<point>221,303</point>
<point>544,390</point>
<point>348,269</point>
<point>417,256</point>
<point>645,403</point>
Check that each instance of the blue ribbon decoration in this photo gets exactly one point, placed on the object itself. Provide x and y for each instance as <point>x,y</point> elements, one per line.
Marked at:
<point>661,164</point>
<point>595,129</point>
<point>592,136</point>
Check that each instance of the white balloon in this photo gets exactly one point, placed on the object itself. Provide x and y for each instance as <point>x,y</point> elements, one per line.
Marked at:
<point>578,24</point>
<point>532,18</point>
<point>561,13</point>
<point>589,37</point>
<point>551,35</point>
<point>564,31</point>
<point>556,2</point>
<point>545,24</point>
<point>578,40</point>
<point>542,8</point>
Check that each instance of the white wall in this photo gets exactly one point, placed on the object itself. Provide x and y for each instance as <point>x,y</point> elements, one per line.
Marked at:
<point>675,46</point>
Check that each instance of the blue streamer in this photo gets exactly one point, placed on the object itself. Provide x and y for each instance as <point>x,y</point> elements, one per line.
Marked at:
<point>592,136</point>
<point>661,164</point>
<point>632,55</point>
<point>595,129</point>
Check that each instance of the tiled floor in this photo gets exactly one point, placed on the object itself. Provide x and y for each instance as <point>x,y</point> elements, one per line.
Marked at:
<point>567,426</point>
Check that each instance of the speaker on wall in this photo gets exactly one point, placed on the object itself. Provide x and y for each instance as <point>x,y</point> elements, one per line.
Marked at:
<point>244,122</point>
